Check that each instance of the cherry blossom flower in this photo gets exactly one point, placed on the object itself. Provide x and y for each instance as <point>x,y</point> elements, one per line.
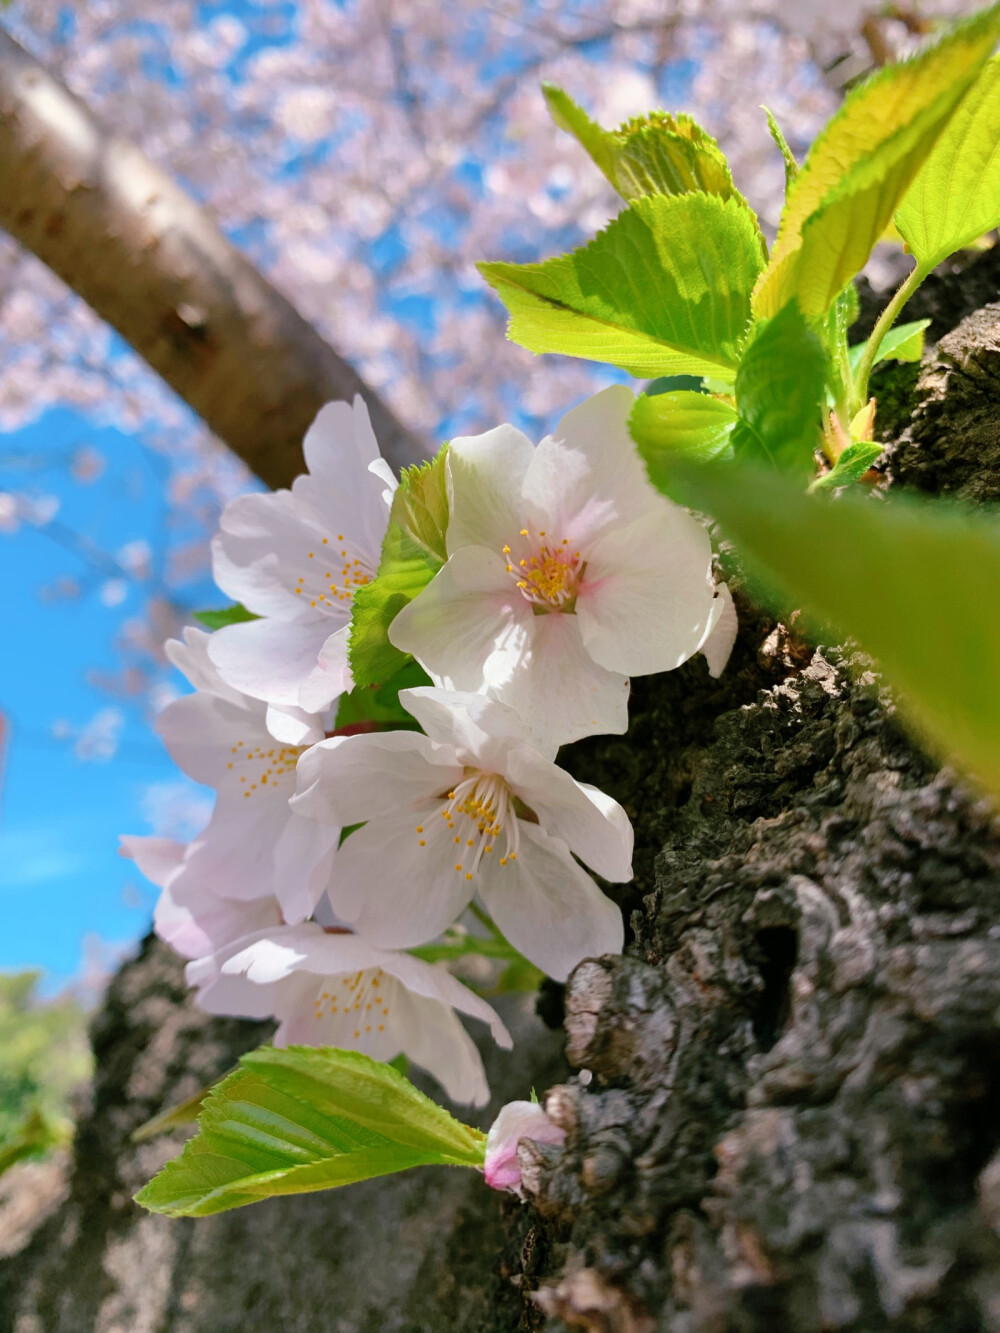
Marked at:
<point>516,1121</point>
<point>188,916</point>
<point>255,846</point>
<point>333,988</point>
<point>295,557</point>
<point>567,573</point>
<point>473,806</point>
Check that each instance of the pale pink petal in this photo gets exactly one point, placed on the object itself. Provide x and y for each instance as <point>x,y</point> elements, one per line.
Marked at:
<point>480,730</point>
<point>722,634</point>
<point>453,625</point>
<point>191,658</point>
<point>436,983</point>
<point>269,659</point>
<point>433,1038</point>
<point>587,476</point>
<point>516,1121</point>
<point>645,604</point>
<point>397,893</point>
<point>594,826</point>
<point>548,907</point>
<point>303,859</point>
<point>293,726</point>
<point>261,550</point>
<point>157,858</point>
<point>350,779</point>
<point>485,476</point>
<point>200,732</point>
<point>556,687</point>
<point>195,922</point>
<point>330,677</point>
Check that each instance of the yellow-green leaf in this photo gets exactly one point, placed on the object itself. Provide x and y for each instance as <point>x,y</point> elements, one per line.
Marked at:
<point>956,197</point>
<point>664,290</point>
<point>862,164</point>
<point>681,424</point>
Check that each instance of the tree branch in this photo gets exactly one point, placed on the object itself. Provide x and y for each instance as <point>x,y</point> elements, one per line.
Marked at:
<point>151,261</point>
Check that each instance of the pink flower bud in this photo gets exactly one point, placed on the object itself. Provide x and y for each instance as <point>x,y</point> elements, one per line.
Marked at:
<point>516,1121</point>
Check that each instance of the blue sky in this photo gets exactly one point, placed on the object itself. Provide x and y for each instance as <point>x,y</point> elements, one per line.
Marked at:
<point>60,876</point>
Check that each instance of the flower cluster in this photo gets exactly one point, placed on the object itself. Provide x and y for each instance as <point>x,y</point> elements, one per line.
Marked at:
<point>335,855</point>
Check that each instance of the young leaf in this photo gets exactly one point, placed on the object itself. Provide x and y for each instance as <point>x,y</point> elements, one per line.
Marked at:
<point>903,343</point>
<point>780,389</point>
<point>412,553</point>
<point>664,290</point>
<point>654,154</point>
<point>862,164</point>
<point>851,466</point>
<point>791,166</point>
<point>956,197</point>
<point>914,581</point>
<point>380,703</point>
<point>228,615</point>
<point>684,424</point>
<point>303,1119</point>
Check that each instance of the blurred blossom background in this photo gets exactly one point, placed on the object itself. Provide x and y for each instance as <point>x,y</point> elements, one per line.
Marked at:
<point>363,154</point>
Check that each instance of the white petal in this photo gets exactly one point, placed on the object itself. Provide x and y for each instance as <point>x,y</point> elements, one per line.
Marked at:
<point>350,779</point>
<point>587,475</point>
<point>195,922</point>
<point>437,983</point>
<point>330,677</point>
<point>293,726</point>
<point>480,730</point>
<point>200,732</point>
<point>485,476</point>
<point>396,893</point>
<point>303,860</point>
<point>722,634</point>
<point>269,659</point>
<point>340,438</point>
<point>593,825</point>
<point>645,604</point>
<point>556,687</point>
<point>261,550</point>
<point>453,625</point>
<point>157,858</point>
<point>236,853</point>
<point>434,1039</point>
<point>191,658</point>
<point>548,907</point>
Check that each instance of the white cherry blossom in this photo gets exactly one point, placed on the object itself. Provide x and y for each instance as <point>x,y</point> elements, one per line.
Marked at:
<point>189,916</point>
<point>333,988</point>
<point>567,573</point>
<point>516,1121</point>
<point>255,846</point>
<point>472,807</point>
<point>295,558</point>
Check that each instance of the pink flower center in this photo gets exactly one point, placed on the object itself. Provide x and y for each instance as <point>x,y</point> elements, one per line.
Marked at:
<point>323,584</point>
<point>547,574</point>
<point>264,770</point>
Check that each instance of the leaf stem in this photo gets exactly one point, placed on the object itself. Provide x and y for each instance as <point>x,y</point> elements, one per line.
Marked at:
<point>885,322</point>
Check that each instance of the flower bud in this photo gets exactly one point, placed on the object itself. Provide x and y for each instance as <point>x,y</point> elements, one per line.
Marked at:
<point>516,1121</point>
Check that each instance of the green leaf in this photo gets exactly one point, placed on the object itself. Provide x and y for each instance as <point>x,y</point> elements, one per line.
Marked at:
<point>380,703</point>
<point>851,466</point>
<point>412,553</point>
<point>903,343</point>
<point>683,424</point>
<point>780,390</point>
<point>184,1113</point>
<point>304,1119</point>
<point>228,615</point>
<point>956,197</point>
<point>862,164</point>
<point>791,166</point>
<point>654,154</point>
<point>914,581</point>
<point>664,290</point>
<point>37,1134</point>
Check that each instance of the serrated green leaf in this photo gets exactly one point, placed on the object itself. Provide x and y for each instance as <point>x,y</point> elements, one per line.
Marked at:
<point>903,343</point>
<point>791,166</point>
<point>851,466</point>
<point>303,1119</point>
<point>412,553</point>
<point>664,290</point>
<point>862,164</point>
<point>780,389</point>
<point>683,424</point>
<point>183,1113</point>
<point>227,615</point>
<point>380,703</point>
<point>914,581</point>
<point>654,154</point>
<point>956,197</point>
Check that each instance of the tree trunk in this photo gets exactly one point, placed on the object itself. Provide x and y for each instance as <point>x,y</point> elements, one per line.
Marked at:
<point>150,261</point>
<point>788,1120</point>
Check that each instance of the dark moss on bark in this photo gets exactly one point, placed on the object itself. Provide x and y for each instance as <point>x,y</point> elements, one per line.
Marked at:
<point>785,1115</point>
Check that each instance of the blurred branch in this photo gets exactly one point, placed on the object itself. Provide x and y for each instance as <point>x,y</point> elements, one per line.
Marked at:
<point>152,262</point>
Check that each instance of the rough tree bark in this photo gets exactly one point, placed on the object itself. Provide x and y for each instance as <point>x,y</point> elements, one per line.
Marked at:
<point>788,1120</point>
<point>151,261</point>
